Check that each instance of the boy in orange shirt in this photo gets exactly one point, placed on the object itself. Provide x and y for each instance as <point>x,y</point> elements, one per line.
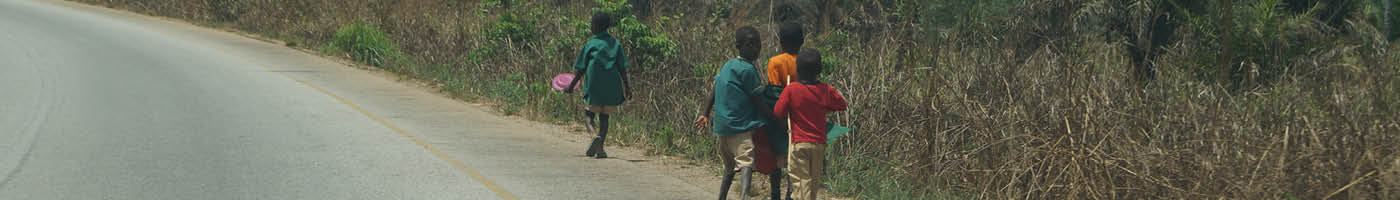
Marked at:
<point>806,103</point>
<point>783,67</point>
<point>771,147</point>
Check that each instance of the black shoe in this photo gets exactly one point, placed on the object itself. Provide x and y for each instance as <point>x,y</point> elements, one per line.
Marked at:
<point>724,185</point>
<point>594,147</point>
<point>746,184</point>
<point>601,153</point>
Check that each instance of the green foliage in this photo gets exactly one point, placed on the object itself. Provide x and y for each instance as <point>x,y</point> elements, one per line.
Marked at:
<point>851,176</point>
<point>492,3</point>
<point>705,70</point>
<point>1374,12</point>
<point>508,29</point>
<point>720,10</point>
<point>646,44</point>
<point>481,55</point>
<point>366,44</point>
<point>1264,40</point>
<point>944,17</point>
<point>513,29</point>
<point>617,8</point>
<point>830,65</point>
<point>224,10</point>
<point>512,91</point>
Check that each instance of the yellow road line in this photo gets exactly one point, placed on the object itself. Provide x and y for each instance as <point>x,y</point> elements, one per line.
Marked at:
<point>490,185</point>
<point>501,191</point>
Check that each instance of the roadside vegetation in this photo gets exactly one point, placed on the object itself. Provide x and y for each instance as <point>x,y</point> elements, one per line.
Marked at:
<point>996,99</point>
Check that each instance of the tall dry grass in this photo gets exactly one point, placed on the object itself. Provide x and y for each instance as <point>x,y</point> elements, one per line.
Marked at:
<point>1022,109</point>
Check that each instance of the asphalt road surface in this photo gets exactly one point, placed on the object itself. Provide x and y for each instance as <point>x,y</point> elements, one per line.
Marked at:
<point>104,104</point>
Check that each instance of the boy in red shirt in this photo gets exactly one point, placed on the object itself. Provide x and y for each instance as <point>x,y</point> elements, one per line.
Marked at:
<point>806,104</point>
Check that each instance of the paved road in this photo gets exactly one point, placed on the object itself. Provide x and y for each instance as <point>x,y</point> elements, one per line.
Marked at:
<point>102,104</point>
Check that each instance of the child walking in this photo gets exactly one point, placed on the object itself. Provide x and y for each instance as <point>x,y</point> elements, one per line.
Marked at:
<point>806,104</point>
<point>603,66</point>
<point>737,111</point>
<point>771,148</point>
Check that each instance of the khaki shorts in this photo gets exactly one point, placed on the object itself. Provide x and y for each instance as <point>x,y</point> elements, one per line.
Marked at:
<point>737,150</point>
<point>602,109</point>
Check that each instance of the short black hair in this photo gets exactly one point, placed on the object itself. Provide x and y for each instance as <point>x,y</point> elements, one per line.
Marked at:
<point>809,64</point>
<point>746,35</point>
<point>601,21</point>
<point>790,35</point>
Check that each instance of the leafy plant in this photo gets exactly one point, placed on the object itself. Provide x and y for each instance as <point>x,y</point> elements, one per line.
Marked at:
<point>512,28</point>
<point>646,44</point>
<point>366,44</point>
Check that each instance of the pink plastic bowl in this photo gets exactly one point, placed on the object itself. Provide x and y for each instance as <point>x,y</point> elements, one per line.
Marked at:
<point>562,80</point>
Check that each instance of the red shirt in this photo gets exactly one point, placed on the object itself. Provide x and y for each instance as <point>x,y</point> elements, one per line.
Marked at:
<point>806,106</point>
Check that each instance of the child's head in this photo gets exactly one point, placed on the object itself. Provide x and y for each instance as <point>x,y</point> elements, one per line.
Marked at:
<point>790,35</point>
<point>746,39</point>
<point>809,65</point>
<point>601,22</point>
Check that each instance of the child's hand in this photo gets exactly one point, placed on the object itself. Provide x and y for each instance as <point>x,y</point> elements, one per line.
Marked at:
<point>700,123</point>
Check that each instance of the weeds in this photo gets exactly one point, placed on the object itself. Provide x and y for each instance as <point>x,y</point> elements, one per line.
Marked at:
<point>366,44</point>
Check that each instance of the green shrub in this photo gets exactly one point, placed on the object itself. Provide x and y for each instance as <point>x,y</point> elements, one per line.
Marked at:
<point>566,45</point>
<point>646,44</point>
<point>1265,40</point>
<point>513,91</point>
<point>366,44</point>
<point>225,10</point>
<point>617,8</point>
<point>513,29</point>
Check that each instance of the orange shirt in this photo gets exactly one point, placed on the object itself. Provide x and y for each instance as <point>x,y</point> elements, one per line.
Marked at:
<point>781,68</point>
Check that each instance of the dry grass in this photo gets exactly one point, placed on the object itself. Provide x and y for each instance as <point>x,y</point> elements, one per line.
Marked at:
<point>969,115</point>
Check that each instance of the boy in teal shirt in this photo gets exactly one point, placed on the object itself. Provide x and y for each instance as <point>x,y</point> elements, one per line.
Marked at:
<point>603,65</point>
<point>737,114</point>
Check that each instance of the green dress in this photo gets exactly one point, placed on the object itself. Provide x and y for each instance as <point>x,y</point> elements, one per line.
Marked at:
<point>603,61</point>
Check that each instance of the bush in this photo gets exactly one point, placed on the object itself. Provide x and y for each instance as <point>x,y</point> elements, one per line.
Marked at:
<point>224,10</point>
<point>513,29</point>
<point>646,44</point>
<point>513,91</point>
<point>366,44</point>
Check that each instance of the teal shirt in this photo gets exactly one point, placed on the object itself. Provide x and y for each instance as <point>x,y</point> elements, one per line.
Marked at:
<point>603,61</point>
<point>734,112</point>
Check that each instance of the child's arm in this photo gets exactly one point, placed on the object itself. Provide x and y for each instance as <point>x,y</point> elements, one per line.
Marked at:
<point>580,68</point>
<point>704,118</point>
<point>754,96</point>
<point>580,73</point>
<point>782,109</point>
<point>837,103</point>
